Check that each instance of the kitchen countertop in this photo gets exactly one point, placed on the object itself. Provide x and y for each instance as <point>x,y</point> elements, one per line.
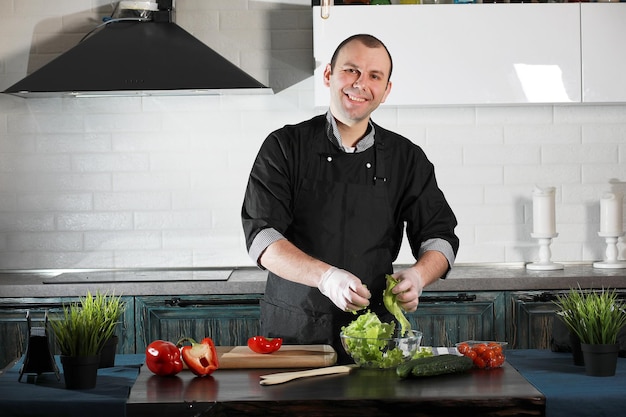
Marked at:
<point>249,280</point>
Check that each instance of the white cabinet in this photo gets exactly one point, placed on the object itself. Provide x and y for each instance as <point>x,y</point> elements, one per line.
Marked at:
<point>452,54</point>
<point>603,28</point>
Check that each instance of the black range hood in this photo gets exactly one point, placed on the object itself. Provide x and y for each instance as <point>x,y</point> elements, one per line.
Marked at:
<point>132,57</point>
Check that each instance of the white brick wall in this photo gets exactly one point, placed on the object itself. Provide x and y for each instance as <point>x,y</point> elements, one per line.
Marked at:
<point>152,182</point>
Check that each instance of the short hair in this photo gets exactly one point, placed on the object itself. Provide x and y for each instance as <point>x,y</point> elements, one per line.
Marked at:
<point>367,40</point>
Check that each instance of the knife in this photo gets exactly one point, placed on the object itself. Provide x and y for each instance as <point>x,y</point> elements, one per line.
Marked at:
<point>279,378</point>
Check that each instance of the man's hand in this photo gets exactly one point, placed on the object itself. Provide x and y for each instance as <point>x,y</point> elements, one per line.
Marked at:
<point>408,289</point>
<point>344,289</point>
<point>431,266</point>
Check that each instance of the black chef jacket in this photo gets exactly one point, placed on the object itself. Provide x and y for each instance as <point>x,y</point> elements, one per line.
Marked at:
<point>346,209</point>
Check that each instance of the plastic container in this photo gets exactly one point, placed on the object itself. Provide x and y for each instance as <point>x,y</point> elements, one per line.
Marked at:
<point>485,354</point>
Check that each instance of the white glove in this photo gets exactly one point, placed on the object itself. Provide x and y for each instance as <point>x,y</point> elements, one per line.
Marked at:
<point>337,284</point>
<point>411,276</point>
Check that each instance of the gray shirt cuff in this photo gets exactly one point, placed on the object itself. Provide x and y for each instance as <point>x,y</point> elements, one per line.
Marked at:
<point>440,245</point>
<point>261,241</point>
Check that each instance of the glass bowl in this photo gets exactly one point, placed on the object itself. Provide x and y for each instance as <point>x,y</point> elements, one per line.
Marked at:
<point>485,354</point>
<point>382,353</point>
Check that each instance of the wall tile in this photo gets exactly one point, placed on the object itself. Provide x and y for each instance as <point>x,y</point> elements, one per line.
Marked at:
<point>130,201</point>
<point>49,242</point>
<point>54,202</point>
<point>122,240</point>
<point>159,181</point>
<point>94,221</point>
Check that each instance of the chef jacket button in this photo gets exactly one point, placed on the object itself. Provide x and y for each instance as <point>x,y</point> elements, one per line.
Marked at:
<point>368,165</point>
<point>329,158</point>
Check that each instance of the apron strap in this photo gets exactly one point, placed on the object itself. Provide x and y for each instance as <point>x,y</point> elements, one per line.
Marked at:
<point>379,176</point>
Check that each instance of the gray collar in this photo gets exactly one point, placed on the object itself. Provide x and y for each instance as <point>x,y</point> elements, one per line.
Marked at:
<point>332,132</point>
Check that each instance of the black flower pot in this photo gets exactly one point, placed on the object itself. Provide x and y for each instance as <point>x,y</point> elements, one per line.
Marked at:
<point>80,372</point>
<point>577,352</point>
<point>107,354</point>
<point>600,360</point>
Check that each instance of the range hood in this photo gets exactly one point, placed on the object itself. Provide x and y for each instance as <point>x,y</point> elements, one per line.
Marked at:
<point>145,54</point>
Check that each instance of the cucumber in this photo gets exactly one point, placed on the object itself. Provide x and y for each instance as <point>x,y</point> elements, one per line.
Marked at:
<point>434,365</point>
<point>404,369</point>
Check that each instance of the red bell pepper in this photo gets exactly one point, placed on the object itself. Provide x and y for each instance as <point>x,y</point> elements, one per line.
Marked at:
<point>163,358</point>
<point>201,358</point>
<point>261,344</point>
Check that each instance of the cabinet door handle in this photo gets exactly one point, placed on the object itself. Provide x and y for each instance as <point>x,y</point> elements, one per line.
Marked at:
<point>459,298</point>
<point>177,302</point>
<point>546,296</point>
<point>27,306</point>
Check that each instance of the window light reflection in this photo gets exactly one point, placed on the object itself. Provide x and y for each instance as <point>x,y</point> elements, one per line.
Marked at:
<point>542,83</point>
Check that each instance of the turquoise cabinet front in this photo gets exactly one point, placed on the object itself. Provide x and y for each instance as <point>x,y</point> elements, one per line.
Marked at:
<point>535,323</point>
<point>446,318</point>
<point>227,319</point>
<point>14,326</point>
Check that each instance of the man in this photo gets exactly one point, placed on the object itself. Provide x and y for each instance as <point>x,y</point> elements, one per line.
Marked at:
<point>327,202</point>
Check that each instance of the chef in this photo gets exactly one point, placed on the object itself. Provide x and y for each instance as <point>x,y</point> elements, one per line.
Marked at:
<point>328,201</point>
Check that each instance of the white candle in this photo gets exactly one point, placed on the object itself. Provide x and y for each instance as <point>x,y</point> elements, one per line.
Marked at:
<point>544,223</point>
<point>611,214</point>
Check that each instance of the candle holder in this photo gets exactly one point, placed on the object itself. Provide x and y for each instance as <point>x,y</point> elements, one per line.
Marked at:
<point>611,261</point>
<point>544,264</point>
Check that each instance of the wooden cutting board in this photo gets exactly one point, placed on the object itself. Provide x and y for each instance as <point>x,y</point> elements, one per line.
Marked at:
<point>288,356</point>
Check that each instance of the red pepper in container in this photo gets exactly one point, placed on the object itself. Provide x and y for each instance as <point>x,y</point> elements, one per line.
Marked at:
<point>201,358</point>
<point>261,344</point>
<point>163,358</point>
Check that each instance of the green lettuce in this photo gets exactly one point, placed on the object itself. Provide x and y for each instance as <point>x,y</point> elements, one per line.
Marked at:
<point>368,325</point>
<point>391,304</point>
<point>366,347</point>
<point>423,352</point>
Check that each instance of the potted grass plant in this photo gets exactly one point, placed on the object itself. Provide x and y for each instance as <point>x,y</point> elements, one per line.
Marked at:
<point>596,318</point>
<point>81,331</point>
<point>111,307</point>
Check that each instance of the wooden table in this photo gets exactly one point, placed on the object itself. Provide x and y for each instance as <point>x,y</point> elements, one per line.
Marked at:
<point>362,393</point>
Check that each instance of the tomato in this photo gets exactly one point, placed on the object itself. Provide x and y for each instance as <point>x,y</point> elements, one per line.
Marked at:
<point>463,348</point>
<point>479,362</point>
<point>480,348</point>
<point>498,361</point>
<point>496,347</point>
<point>489,354</point>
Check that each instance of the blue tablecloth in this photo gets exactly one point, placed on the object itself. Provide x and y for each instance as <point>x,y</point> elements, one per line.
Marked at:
<point>568,390</point>
<point>47,396</point>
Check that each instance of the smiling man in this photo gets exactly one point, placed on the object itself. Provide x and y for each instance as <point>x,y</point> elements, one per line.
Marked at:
<point>359,80</point>
<point>328,201</point>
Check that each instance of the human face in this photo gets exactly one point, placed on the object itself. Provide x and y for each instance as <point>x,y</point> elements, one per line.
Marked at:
<point>359,83</point>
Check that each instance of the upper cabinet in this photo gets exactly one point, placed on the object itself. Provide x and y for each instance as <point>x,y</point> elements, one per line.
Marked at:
<point>603,28</point>
<point>453,54</point>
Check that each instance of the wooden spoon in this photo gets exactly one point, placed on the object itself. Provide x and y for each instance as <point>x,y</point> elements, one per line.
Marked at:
<point>279,378</point>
